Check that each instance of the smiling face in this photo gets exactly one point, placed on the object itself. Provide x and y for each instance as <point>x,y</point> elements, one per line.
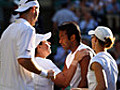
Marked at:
<point>64,41</point>
<point>44,49</point>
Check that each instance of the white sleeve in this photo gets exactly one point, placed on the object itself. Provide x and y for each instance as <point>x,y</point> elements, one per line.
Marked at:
<point>98,60</point>
<point>26,43</point>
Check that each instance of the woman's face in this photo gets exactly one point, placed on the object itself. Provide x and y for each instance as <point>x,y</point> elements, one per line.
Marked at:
<point>93,41</point>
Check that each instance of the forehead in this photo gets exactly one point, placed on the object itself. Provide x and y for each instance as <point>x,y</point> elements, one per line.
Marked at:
<point>44,42</point>
<point>61,33</point>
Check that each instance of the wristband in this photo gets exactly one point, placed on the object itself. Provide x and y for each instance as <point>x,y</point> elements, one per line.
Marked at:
<point>44,73</point>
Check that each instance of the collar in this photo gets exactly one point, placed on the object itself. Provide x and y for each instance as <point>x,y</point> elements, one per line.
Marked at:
<point>39,58</point>
<point>22,20</point>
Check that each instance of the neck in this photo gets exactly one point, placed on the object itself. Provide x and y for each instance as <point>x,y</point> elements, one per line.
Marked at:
<point>99,48</point>
<point>42,56</point>
<point>27,17</point>
<point>74,46</point>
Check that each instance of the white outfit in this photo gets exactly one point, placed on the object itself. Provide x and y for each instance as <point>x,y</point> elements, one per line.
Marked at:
<point>77,76</point>
<point>110,67</point>
<point>42,83</point>
<point>64,15</point>
<point>17,41</point>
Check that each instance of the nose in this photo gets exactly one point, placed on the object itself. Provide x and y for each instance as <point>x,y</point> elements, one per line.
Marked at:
<point>60,41</point>
<point>49,43</point>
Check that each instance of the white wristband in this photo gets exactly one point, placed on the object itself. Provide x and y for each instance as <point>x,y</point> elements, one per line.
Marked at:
<point>44,73</point>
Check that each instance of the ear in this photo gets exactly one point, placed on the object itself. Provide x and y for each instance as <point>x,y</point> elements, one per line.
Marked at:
<point>72,38</point>
<point>33,9</point>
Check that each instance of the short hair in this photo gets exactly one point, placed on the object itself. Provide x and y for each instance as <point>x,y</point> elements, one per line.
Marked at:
<point>71,28</point>
<point>36,48</point>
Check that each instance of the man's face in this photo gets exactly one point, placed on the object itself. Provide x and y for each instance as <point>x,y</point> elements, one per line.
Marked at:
<point>45,47</point>
<point>35,15</point>
<point>64,41</point>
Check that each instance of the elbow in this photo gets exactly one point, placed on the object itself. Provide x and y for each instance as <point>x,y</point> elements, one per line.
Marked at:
<point>61,83</point>
<point>66,84</point>
<point>101,87</point>
<point>104,88</point>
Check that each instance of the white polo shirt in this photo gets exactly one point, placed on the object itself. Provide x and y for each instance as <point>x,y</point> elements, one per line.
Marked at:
<point>42,83</point>
<point>17,41</point>
<point>110,67</point>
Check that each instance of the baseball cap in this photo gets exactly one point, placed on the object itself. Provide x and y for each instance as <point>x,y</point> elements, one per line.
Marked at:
<point>101,33</point>
<point>42,37</point>
<point>25,4</point>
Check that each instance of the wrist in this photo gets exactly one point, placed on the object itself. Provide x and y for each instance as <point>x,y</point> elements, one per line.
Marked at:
<point>43,73</point>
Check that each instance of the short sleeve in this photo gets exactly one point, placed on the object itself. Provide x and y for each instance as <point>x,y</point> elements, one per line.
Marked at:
<point>99,60</point>
<point>26,43</point>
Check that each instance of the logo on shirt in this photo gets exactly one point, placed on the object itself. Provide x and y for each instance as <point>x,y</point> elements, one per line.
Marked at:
<point>27,50</point>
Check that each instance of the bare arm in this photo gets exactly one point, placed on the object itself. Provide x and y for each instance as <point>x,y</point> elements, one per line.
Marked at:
<point>63,79</point>
<point>99,73</point>
<point>30,66</point>
<point>84,69</point>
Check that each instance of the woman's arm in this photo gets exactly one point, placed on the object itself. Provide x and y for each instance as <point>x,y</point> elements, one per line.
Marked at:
<point>100,76</point>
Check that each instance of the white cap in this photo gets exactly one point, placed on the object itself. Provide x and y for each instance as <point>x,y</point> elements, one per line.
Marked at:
<point>25,4</point>
<point>42,37</point>
<point>101,33</point>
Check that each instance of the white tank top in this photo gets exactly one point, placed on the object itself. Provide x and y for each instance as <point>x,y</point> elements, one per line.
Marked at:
<point>77,76</point>
<point>110,67</point>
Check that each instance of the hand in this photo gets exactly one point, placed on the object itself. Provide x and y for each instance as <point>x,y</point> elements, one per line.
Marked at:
<point>80,54</point>
<point>50,74</point>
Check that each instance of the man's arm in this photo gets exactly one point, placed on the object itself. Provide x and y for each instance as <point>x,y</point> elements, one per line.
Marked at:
<point>84,69</point>
<point>30,66</point>
<point>63,79</point>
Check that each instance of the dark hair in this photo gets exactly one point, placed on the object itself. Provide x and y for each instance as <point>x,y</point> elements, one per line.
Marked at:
<point>108,42</point>
<point>71,28</point>
<point>36,48</point>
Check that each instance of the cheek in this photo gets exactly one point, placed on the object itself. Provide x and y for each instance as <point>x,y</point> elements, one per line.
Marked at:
<point>93,43</point>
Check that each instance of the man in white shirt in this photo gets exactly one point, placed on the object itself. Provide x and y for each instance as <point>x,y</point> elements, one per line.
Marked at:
<point>17,50</point>
<point>41,52</point>
<point>70,39</point>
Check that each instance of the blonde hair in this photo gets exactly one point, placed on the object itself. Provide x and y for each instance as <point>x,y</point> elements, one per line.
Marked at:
<point>109,41</point>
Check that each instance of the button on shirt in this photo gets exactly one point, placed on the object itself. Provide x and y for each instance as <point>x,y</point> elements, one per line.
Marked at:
<point>17,42</point>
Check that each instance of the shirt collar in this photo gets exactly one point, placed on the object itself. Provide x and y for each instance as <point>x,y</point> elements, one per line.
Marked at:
<point>22,20</point>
